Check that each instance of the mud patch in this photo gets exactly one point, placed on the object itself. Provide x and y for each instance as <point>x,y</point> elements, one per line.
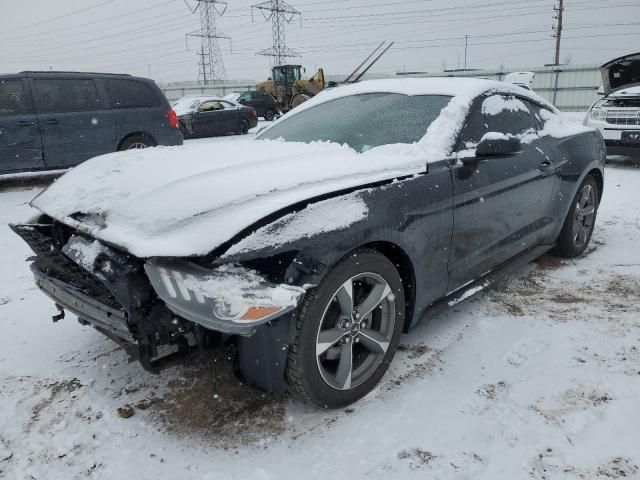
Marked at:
<point>56,389</point>
<point>492,391</point>
<point>210,403</point>
<point>416,456</point>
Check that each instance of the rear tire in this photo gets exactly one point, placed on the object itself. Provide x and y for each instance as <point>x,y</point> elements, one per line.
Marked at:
<point>578,226</point>
<point>269,115</point>
<point>345,342</point>
<point>243,127</point>
<point>135,142</point>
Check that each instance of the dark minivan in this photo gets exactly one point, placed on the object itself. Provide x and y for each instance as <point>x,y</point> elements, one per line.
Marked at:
<point>56,120</point>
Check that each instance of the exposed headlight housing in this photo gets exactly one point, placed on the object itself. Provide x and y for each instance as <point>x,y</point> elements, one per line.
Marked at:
<point>598,114</point>
<point>230,298</point>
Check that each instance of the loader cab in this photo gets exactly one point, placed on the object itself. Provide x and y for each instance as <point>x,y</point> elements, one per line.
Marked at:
<point>287,74</point>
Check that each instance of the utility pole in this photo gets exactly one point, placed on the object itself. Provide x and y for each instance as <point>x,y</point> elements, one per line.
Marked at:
<point>558,29</point>
<point>280,13</point>
<point>466,43</point>
<point>210,64</point>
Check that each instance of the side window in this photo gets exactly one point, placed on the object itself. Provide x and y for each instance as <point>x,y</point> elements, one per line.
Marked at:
<point>13,100</point>
<point>210,106</point>
<point>130,94</point>
<point>62,95</point>
<point>500,113</point>
<point>228,106</point>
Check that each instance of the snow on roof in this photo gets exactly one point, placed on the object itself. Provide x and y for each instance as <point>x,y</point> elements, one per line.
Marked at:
<point>467,88</point>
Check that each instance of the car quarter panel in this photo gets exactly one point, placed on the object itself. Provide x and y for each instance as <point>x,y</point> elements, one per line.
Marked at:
<point>577,156</point>
<point>414,214</point>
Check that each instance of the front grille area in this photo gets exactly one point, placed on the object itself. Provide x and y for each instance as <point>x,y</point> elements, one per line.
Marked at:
<point>44,241</point>
<point>627,117</point>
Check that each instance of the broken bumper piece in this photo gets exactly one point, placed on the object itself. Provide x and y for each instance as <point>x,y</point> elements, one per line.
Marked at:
<point>229,299</point>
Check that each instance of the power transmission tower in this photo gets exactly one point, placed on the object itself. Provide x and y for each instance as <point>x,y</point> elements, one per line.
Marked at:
<point>557,31</point>
<point>280,13</point>
<point>210,65</point>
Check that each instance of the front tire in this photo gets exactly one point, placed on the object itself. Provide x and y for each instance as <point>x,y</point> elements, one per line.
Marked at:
<point>578,226</point>
<point>347,331</point>
<point>269,115</point>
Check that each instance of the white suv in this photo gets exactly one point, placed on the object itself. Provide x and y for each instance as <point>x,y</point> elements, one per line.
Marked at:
<point>617,114</point>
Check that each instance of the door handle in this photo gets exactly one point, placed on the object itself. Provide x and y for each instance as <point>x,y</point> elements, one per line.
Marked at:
<point>545,165</point>
<point>51,121</point>
<point>25,123</point>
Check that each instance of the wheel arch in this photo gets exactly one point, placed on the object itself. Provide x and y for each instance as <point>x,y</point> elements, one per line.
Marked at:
<point>597,175</point>
<point>403,264</point>
<point>135,134</point>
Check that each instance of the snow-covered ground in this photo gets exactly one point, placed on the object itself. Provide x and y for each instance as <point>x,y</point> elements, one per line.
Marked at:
<point>538,378</point>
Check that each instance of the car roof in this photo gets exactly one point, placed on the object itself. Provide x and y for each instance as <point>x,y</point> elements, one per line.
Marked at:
<point>466,88</point>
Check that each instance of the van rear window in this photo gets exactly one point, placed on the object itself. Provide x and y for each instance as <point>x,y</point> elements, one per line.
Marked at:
<point>130,94</point>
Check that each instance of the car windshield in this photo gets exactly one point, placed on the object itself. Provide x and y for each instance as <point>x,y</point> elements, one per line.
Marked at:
<point>362,121</point>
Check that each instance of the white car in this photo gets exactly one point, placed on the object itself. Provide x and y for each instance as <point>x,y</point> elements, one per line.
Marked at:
<point>617,114</point>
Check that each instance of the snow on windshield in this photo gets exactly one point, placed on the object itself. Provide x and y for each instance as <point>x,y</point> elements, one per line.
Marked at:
<point>496,104</point>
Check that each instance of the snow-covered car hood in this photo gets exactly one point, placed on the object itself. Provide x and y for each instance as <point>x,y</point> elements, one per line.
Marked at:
<point>188,200</point>
<point>622,72</point>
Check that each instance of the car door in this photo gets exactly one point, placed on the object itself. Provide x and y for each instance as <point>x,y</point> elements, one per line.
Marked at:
<point>208,119</point>
<point>230,116</point>
<point>69,111</point>
<point>20,140</point>
<point>501,205</point>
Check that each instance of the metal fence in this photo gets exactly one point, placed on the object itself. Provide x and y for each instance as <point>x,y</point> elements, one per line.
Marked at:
<point>174,91</point>
<point>570,88</point>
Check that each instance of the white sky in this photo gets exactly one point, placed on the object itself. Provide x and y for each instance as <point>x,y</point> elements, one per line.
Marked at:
<point>149,35</point>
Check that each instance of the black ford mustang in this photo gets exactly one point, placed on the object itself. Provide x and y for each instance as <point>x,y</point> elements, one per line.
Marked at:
<point>212,116</point>
<point>315,245</point>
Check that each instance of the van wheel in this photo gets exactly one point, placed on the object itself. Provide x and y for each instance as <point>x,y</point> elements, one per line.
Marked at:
<point>269,115</point>
<point>347,331</point>
<point>136,141</point>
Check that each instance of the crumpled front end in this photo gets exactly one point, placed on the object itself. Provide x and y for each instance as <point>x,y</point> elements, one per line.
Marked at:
<point>144,304</point>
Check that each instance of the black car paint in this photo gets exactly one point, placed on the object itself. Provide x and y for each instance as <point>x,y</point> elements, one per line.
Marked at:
<point>40,140</point>
<point>263,102</point>
<point>444,227</point>
<point>217,122</point>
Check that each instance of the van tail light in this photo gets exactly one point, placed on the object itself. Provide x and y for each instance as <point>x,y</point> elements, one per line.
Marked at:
<point>172,117</point>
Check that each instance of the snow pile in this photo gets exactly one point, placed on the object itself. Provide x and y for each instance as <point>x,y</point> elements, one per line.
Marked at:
<point>494,136</point>
<point>496,104</point>
<point>236,287</point>
<point>557,126</point>
<point>325,216</point>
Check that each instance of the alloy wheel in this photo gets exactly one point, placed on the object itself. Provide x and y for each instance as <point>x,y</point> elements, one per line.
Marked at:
<point>584,215</point>
<point>355,331</point>
<point>137,145</point>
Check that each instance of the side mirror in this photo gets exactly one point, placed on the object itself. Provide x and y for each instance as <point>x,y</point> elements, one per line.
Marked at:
<point>498,145</point>
<point>600,90</point>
